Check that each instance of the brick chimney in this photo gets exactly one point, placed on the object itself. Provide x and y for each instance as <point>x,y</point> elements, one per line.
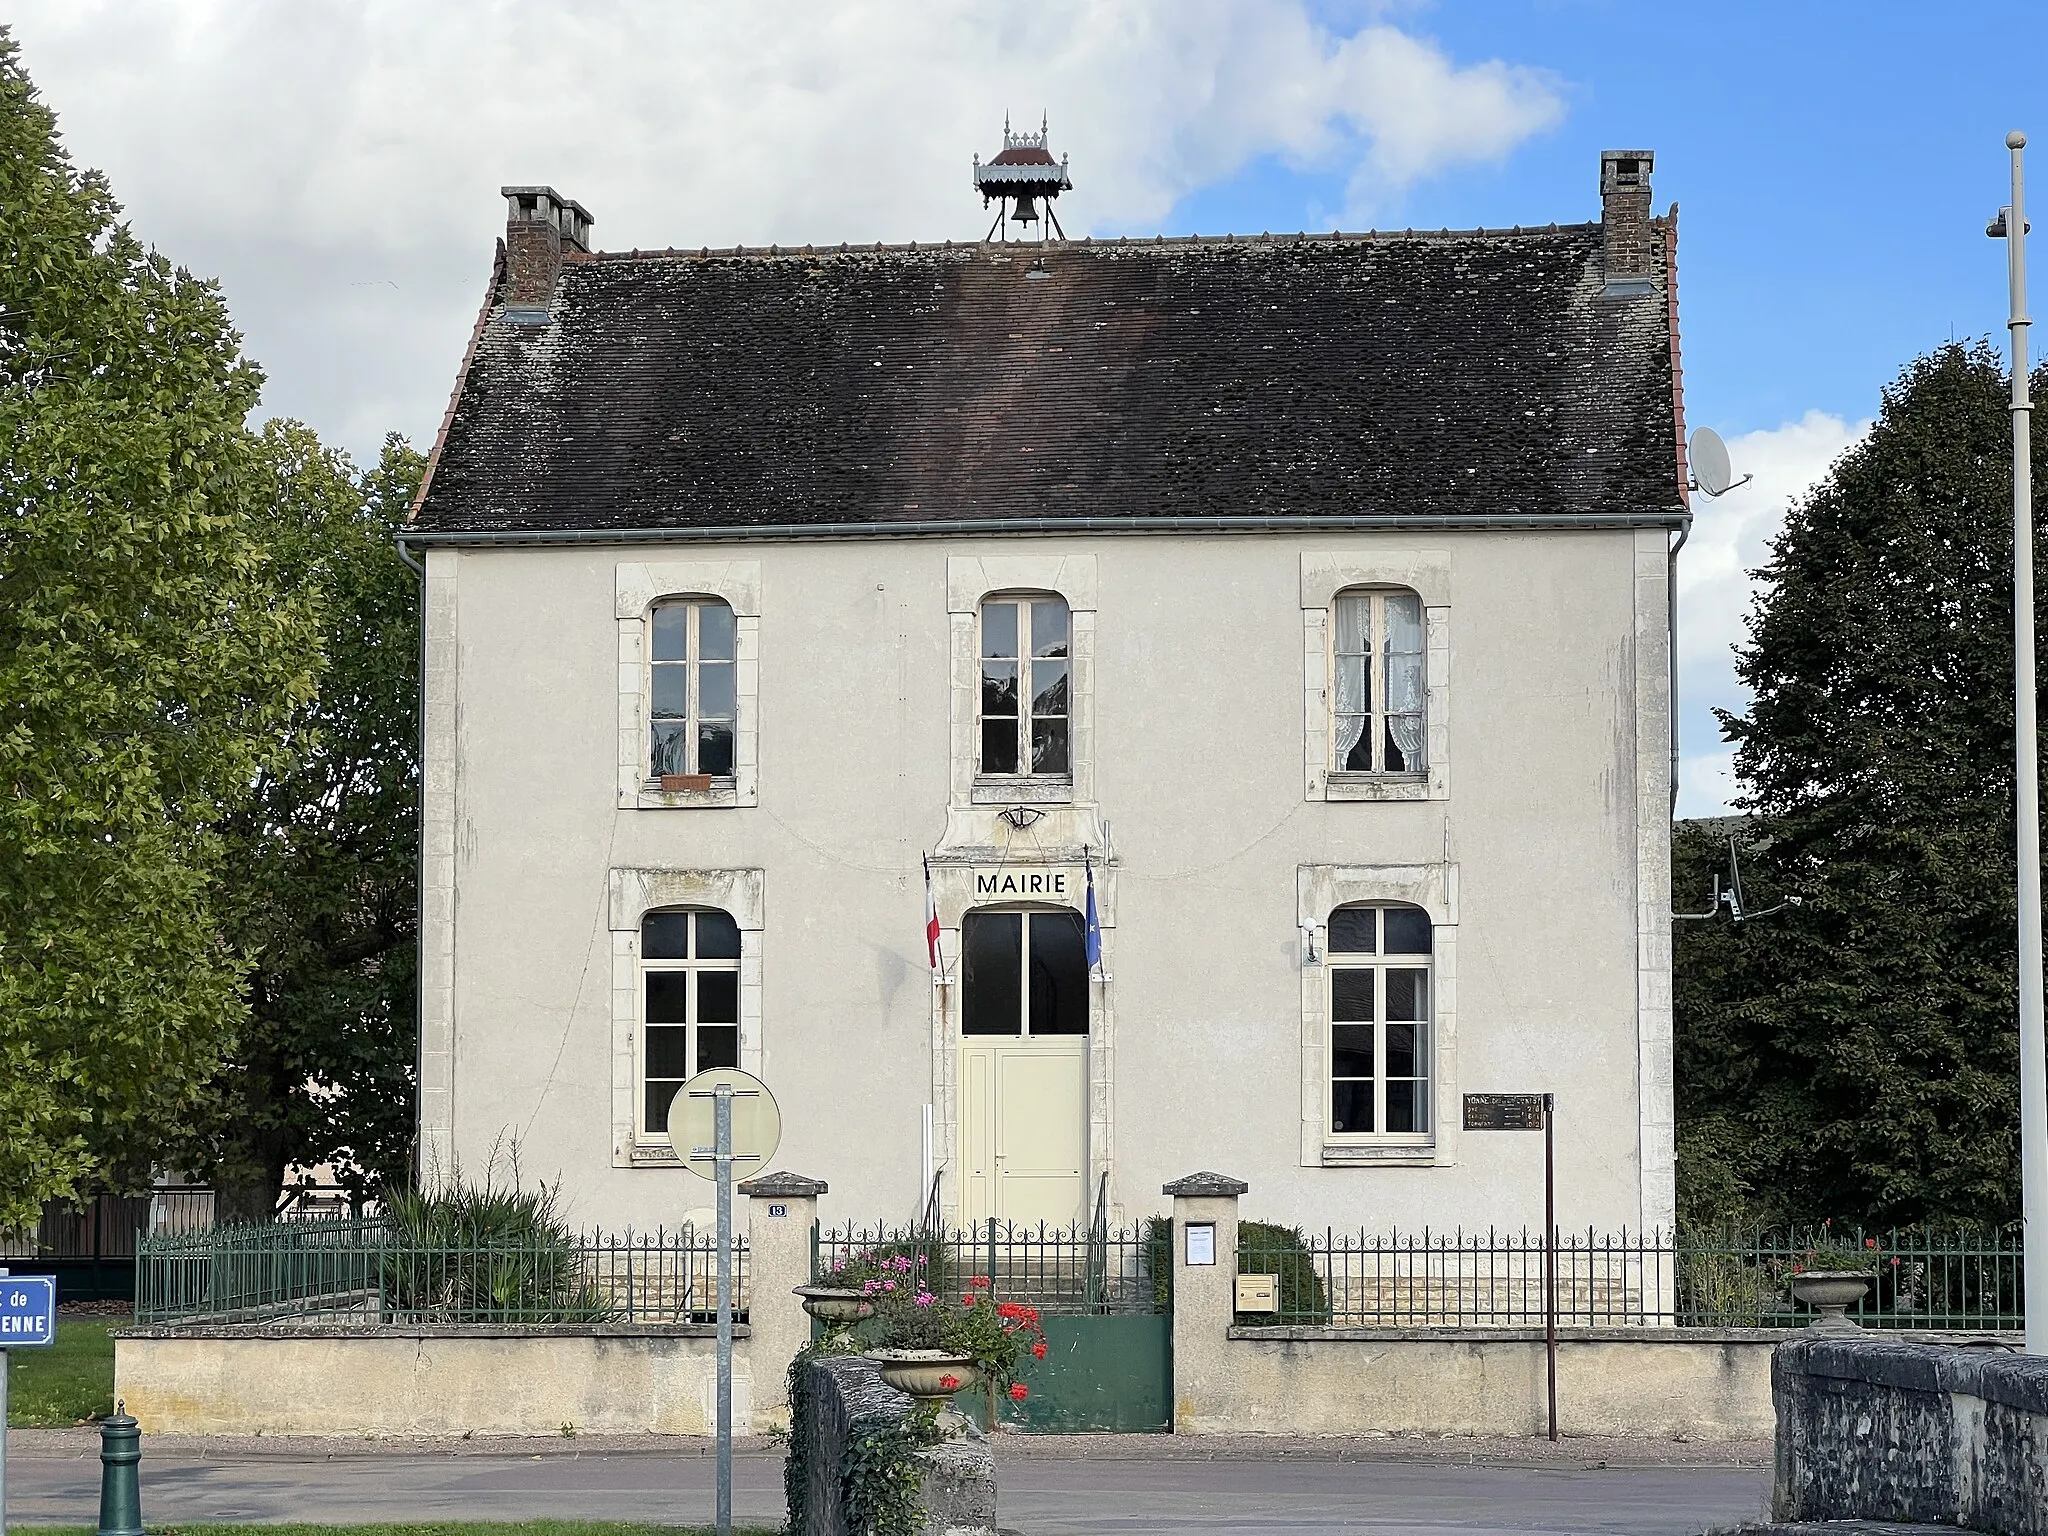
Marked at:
<point>1625,219</point>
<point>541,226</point>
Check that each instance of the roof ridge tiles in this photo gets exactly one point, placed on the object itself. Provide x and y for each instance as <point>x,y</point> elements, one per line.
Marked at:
<point>1374,235</point>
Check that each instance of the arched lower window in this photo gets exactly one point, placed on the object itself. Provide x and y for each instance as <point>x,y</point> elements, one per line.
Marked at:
<point>1378,968</point>
<point>1377,652</point>
<point>690,1004</point>
<point>1024,686</point>
<point>693,699</point>
<point>1023,973</point>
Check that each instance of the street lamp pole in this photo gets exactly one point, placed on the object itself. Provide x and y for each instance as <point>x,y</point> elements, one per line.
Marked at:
<point>2012,224</point>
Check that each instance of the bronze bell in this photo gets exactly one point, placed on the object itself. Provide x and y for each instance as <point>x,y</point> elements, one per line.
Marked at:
<point>1025,213</point>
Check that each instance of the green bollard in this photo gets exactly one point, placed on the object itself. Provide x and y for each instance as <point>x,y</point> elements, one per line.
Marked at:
<point>120,1482</point>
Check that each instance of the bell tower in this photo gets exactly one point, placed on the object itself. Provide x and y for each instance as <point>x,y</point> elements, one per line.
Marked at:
<point>1021,179</point>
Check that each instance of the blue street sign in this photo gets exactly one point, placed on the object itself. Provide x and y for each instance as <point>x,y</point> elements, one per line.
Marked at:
<point>28,1310</point>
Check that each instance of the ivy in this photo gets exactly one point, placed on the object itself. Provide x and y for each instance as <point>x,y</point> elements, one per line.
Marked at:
<point>803,1447</point>
<point>883,1477</point>
<point>880,1486</point>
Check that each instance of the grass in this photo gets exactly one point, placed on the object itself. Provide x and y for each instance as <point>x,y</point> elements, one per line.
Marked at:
<point>434,1528</point>
<point>66,1382</point>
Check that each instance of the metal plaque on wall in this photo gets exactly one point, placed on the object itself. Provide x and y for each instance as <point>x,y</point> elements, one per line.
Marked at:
<point>1503,1111</point>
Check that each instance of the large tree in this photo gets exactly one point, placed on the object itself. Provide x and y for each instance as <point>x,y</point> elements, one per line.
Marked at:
<point>321,891</point>
<point>1856,1056</point>
<point>149,659</point>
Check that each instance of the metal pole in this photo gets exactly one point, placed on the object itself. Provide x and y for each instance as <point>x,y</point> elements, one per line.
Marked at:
<point>1550,1253</point>
<point>721,1147</point>
<point>2027,785</point>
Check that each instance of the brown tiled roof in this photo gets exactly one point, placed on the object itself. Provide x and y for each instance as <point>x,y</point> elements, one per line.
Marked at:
<point>1459,376</point>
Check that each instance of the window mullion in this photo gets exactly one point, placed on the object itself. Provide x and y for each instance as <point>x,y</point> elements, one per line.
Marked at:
<point>1024,764</point>
<point>1376,662</point>
<point>689,1012</point>
<point>690,705</point>
<point>1379,1050</point>
<point>1023,972</point>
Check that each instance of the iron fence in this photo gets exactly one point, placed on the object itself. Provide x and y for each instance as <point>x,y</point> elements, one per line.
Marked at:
<point>1922,1278</point>
<point>1088,1269</point>
<point>367,1272</point>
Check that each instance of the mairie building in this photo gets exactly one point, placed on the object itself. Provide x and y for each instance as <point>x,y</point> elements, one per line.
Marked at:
<point>1062,713</point>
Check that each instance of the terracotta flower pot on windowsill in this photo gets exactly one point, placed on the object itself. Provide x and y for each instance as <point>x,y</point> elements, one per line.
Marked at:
<point>685,783</point>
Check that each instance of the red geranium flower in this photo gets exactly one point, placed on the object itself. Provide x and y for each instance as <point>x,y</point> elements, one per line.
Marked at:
<point>950,1382</point>
<point>967,1299</point>
<point>1018,1391</point>
<point>979,1282</point>
<point>1038,1349</point>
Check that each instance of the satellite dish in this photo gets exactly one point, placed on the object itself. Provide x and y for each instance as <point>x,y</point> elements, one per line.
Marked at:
<point>756,1122</point>
<point>1711,471</point>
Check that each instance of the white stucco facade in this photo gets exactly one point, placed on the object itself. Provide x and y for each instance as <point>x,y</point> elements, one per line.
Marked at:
<point>1537,842</point>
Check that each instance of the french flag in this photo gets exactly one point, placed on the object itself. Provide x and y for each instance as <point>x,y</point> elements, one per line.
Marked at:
<point>931,920</point>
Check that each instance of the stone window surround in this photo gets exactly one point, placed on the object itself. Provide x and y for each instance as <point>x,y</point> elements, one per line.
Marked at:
<point>953,898</point>
<point>633,893</point>
<point>637,586</point>
<point>1324,574</point>
<point>971,578</point>
<point>1319,890</point>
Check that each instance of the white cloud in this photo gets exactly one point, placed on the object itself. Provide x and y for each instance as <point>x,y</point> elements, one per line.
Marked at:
<point>1731,537</point>
<point>337,164</point>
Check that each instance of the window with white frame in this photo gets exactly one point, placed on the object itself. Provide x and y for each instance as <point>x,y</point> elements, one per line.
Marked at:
<point>1378,972</point>
<point>692,695</point>
<point>1377,707</point>
<point>690,1005</point>
<point>1025,686</point>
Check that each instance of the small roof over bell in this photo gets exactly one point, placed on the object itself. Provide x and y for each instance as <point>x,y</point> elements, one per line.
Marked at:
<point>1024,168</point>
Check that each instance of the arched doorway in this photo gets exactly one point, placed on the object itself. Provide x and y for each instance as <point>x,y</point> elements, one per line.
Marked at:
<point>1024,1021</point>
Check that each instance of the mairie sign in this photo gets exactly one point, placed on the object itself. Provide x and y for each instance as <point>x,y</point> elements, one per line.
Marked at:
<point>28,1310</point>
<point>1014,882</point>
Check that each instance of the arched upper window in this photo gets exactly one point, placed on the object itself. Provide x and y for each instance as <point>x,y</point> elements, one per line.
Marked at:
<point>1377,706</point>
<point>1378,969</point>
<point>693,700</point>
<point>690,993</point>
<point>1025,686</point>
<point>1023,973</point>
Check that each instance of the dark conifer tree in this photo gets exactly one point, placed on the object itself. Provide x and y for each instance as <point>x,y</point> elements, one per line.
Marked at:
<point>1856,1057</point>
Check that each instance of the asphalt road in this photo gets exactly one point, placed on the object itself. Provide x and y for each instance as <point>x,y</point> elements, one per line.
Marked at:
<point>1048,1488</point>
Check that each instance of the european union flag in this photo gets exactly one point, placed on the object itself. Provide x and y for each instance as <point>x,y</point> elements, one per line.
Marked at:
<point>1094,934</point>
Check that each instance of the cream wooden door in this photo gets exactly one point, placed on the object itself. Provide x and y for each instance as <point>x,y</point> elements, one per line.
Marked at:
<point>1023,1128</point>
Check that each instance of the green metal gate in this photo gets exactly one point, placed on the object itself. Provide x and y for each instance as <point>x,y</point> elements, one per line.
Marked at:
<point>1108,1373</point>
<point>1104,1298</point>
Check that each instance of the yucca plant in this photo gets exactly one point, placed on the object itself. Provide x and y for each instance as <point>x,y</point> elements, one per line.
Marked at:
<point>485,1253</point>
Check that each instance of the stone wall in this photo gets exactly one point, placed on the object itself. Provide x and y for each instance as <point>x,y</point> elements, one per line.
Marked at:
<point>959,1491</point>
<point>1873,1429</point>
<point>1696,1384</point>
<point>315,1380</point>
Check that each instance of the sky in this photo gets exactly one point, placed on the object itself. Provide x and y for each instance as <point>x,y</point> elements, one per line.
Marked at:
<point>336,164</point>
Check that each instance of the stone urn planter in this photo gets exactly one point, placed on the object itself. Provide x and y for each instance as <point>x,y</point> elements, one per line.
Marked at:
<point>1831,1292</point>
<point>838,1309</point>
<point>931,1376</point>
